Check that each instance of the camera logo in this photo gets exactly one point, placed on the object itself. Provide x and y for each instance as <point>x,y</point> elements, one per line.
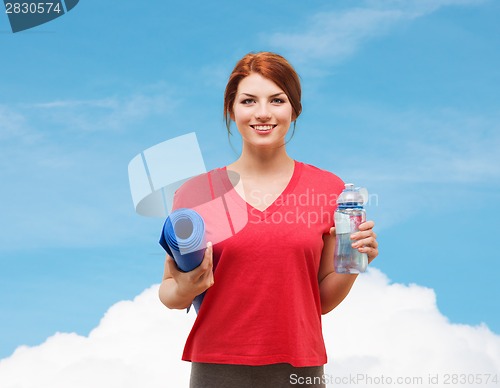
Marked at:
<point>24,14</point>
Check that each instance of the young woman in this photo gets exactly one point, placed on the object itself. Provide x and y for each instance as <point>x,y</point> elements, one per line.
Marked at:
<point>268,284</point>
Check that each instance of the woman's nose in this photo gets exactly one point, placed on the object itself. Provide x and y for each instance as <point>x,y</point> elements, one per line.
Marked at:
<point>262,113</point>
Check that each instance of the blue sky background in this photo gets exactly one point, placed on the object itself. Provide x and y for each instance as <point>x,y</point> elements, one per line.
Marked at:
<point>399,96</point>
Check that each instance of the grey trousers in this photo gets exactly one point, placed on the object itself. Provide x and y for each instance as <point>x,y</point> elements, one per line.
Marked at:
<point>244,376</point>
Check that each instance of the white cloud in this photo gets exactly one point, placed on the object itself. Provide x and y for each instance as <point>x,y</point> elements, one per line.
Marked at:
<point>13,125</point>
<point>397,330</point>
<point>137,344</point>
<point>440,146</point>
<point>110,113</point>
<point>51,189</point>
<point>59,177</point>
<point>419,7</point>
<point>336,35</point>
<point>30,122</point>
<point>386,329</point>
<point>418,161</point>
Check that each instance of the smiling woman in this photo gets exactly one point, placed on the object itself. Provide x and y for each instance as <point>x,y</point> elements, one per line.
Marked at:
<point>270,66</point>
<point>267,285</point>
<point>262,112</point>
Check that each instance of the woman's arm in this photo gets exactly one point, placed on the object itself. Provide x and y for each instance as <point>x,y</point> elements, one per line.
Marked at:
<point>334,287</point>
<point>178,289</point>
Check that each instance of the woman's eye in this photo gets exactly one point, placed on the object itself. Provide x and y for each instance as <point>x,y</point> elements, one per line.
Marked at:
<point>278,101</point>
<point>247,101</point>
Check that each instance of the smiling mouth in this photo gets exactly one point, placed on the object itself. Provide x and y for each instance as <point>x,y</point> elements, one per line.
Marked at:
<point>263,128</point>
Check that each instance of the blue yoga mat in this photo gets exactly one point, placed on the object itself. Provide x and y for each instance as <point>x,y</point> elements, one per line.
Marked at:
<point>183,238</point>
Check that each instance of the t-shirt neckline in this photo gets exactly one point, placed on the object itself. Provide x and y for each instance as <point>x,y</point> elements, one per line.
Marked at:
<point>276,204</point>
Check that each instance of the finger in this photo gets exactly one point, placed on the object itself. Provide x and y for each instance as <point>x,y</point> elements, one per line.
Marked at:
<point>209,250</point>
<point>208,257</point>
<point>206,265</point>
<point>363,234</point>
<point>210,273</point>
<point>211,279</point>
<point>365,245</point>
<point>370,252</point>
<point>366,225</point>
<point>367,238</point>
<point>365,242</point>
<point>207,279</point>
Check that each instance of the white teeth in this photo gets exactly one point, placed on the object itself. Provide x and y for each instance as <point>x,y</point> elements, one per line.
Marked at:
<point>263,127</point>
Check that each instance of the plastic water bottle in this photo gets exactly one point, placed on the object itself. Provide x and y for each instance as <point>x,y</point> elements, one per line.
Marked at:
<point>349,214</point>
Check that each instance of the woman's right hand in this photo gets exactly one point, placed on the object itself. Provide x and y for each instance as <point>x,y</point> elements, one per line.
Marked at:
<point>193,283</point>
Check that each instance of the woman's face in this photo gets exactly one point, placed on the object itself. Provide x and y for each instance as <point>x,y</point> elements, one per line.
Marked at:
<point>262,111</point>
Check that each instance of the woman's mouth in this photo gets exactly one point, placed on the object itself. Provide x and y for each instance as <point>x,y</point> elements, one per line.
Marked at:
<point>263,128</point>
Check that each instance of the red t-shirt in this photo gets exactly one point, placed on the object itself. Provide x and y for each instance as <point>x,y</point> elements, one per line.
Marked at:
<point>264,307</point>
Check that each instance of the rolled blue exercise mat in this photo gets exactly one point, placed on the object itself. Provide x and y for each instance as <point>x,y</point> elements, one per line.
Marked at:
<point>183,238</point>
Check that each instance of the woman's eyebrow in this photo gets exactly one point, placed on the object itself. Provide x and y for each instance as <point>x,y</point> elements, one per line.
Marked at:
<point>274,95</point>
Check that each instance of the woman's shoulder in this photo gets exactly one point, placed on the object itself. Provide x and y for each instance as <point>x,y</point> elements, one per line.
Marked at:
<point>320,174</point>
<point>199,189</point>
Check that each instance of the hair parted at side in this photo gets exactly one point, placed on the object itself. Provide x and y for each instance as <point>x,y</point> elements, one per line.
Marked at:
<point>271,66</point>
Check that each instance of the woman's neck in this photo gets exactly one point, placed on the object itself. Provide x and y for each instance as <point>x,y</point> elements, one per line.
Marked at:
<point>262,162</point>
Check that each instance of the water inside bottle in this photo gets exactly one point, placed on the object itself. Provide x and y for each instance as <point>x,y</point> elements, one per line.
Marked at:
<point>348,260</point>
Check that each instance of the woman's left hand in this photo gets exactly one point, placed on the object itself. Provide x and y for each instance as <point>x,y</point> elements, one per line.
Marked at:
<point>366,240</point>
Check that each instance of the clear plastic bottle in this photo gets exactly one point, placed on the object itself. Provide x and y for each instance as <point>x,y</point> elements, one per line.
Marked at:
<point>349,214</point>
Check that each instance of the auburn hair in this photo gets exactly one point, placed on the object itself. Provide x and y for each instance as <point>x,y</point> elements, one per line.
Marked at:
<point>271,66</point>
